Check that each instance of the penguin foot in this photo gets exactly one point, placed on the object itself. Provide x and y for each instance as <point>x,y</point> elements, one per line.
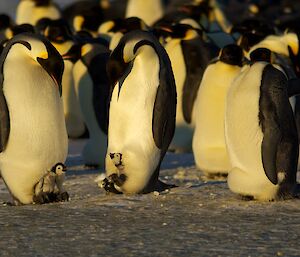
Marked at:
<point>108,185</point>
<point>63,197</point>
<point>162,186</point>
<point>118,180</point>
<point>43,198</point>
<point>247,197</point>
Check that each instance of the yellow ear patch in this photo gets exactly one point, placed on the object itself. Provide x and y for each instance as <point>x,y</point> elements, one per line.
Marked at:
<point>77,22</point>
<point>85,49</point>
<point>43,55</point>
<point>190,34</point>
<point>106,27</point>
<point>8,33</point>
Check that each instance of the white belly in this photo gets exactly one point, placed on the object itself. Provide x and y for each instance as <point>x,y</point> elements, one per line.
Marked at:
<point>244,137</point>
<point>209,146</point>
<point>38,138</point>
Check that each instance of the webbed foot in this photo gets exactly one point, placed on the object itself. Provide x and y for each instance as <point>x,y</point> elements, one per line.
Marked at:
<point>43,198</point>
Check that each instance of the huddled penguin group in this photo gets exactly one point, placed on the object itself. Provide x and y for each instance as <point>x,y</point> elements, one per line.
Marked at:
<point>140,78</point>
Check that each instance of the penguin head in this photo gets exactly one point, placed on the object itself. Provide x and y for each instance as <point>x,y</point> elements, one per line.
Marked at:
<point>59,168</point>
<point>40,51</point>
<point>42,2</point>
<point>252,31</point>
<point>181,31</point>
<point>128,24</point>
<point>5,21</point>
<point>261,55</point>
<point>231,54</point>
<point>57,31</point>
<point>126,51</point>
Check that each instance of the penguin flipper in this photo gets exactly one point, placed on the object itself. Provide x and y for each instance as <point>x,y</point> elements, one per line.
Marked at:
<point>269,152</point>
<point>4,122</point>
<point>278,125</point>
<point>164,111</point>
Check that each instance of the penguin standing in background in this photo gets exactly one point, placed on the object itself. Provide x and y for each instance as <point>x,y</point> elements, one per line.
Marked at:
<point>30,11</point>
<point>141,114</point>
<point>260,132</point>
<point>148,10</point>
<point>189,55</point>
<point>60,35</point>
<point>209,146</point>
<point>33,133</point>
<point>92,90</point>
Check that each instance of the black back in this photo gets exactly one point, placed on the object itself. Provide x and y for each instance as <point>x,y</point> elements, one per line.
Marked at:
<point>280,141</point>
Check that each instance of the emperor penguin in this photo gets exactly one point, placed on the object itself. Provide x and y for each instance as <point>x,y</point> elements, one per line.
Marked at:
<point>92,91</point>
<point>33,131</point>
<point>30,11</point>
<point>260,132</point>
<point>141,114</point>
<point>209,146</point>
<point>148,10</point>
<point>60,35</point>
<point>189,54</point>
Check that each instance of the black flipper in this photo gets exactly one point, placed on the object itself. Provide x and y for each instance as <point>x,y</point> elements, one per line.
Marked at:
<point>197,55</point>
<point>280,141</point>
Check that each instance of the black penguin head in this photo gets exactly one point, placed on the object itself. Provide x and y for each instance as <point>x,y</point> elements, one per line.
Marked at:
<point>261,55</point>
<point>74,53</point>
<point>126,51</point>
<point>231,54</point>
<point>178,31</point>
<point>57,31</point>
<point>252,31</point>
<point>5,22</point>
<point>40,50</point>
<point>42,2</point>
<point>59,168</point>
<point>22,28</point>
<point>89,19</point>
<point>129,24</point>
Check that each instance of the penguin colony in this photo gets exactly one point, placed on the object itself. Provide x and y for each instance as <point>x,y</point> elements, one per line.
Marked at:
<point>138,78</point>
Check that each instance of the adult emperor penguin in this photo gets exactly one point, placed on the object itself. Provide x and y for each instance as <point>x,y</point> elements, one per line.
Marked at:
<point>260,132</point>
<point>209,146</point>
<point>59,34</point>
<point>189,54</point>
<point>92,90</point>
<point>141,114</point>
<point>33,131</point>
<point>30,11</point>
